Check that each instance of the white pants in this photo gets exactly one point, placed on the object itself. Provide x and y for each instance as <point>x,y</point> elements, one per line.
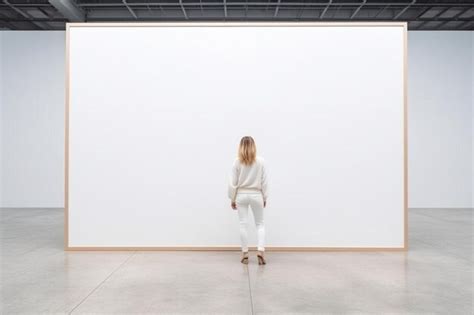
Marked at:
<point>255,201</point>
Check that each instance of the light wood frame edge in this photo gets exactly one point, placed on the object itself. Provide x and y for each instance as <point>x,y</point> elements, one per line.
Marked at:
<point>66,145</point>
<point>237,248</point>
<point>233,24</point>
<point>405,135</point>
<point>239,24</point>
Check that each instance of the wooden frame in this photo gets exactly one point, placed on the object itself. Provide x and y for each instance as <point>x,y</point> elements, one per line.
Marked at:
<point>404,25</point>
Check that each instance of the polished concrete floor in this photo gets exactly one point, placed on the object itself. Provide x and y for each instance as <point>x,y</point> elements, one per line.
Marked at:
<point>434,277</point>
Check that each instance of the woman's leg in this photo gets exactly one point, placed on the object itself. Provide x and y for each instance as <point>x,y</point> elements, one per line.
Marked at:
<point>257,208</point>
<point>243,211</point>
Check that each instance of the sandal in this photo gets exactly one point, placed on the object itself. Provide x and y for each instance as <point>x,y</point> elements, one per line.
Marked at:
<point>245,258</point>
<point>261,259</point>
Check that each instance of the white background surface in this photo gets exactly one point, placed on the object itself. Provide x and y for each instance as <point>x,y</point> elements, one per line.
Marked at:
<point>156,115</point>
<point>32,105</point>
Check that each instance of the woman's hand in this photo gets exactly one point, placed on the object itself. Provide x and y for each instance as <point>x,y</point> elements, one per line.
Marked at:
<point>233,205</point>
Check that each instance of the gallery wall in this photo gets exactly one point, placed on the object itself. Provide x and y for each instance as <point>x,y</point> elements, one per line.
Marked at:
<point>32,106</point>
<point>440,120</point>
<point>440,80</point>
<point>151,146</point>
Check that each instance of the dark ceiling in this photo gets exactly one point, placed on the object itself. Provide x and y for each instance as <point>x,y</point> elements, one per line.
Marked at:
<point>53,14</point>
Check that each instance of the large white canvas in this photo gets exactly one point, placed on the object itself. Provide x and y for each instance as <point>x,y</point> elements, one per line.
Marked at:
<point>156,113</point>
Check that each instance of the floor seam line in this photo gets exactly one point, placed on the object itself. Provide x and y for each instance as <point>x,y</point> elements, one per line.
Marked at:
<point>250,290</point>
<point>102,282</point>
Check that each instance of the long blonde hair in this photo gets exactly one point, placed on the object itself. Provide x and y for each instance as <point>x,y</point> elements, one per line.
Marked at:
<point>247,150</point>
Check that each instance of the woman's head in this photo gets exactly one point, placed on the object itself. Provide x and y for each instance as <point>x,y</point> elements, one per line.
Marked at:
<point>247,150</point>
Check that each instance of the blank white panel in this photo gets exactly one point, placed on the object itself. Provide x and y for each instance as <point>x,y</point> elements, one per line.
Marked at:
<point>156,114</point>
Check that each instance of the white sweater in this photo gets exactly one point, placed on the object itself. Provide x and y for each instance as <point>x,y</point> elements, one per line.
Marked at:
<point>247,178</point>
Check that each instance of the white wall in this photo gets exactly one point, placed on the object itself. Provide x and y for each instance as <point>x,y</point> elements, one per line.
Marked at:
<point>441,98</point>
<point>440,119</point>
<point>165,133</point>
<point>33,119</point>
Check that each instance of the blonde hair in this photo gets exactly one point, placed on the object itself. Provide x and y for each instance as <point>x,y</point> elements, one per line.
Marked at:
<point>247,150</point>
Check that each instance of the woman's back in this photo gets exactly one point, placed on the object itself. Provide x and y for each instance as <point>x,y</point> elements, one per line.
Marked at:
<point>247,178</point>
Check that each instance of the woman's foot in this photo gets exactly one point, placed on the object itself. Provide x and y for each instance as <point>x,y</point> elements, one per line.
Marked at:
<point>245,258</point>
<point>261,257</point>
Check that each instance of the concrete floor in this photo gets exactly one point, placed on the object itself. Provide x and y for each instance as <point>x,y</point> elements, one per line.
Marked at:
<point>434,277</point>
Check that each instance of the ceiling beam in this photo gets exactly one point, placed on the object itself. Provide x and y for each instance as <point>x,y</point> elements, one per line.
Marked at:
<point>179,18</point>
<point>277,8</point>
<point>407,10</point>
<point>68,9</point>
<point>435,18</point>
<point>404,9</point>
<point>461,27</point>
<point>277,3</point>
<point>183,9</point>
<point>381,10</point>
<point>423,12</point>
<point>325,9</point>
<point>5,23</point>
<point>37,25</point>
<point>454,18</point>
<point>130,9</point>
<point>358,9</point>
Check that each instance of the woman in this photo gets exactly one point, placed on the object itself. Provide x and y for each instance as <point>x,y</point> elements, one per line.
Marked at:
<point>249,187</point>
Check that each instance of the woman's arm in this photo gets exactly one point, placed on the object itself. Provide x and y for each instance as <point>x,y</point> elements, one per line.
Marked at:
<point>264,183</point>
<point>234,178</point>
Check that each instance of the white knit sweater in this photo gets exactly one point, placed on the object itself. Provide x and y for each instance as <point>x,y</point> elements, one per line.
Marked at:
<point>247,178</point>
